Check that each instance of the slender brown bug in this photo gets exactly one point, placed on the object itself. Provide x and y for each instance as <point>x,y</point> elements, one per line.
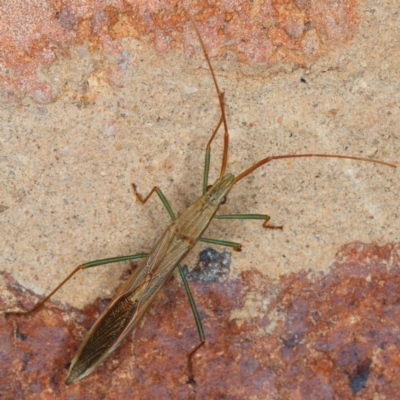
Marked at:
<point>149,282</point>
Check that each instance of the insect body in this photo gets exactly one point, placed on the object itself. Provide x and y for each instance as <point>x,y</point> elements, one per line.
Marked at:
<point>135,297</point>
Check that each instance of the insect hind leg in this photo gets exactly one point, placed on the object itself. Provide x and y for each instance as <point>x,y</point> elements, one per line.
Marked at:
<point>200,330</point>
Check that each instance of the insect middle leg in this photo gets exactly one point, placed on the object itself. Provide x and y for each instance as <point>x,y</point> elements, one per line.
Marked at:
<point>265,217</point>
<point>87,265</point>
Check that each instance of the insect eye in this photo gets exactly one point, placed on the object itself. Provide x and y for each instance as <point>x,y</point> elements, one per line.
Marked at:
<point>208,188</point>
<point>223,200</point>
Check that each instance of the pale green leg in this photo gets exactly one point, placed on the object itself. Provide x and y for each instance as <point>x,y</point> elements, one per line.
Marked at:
<point>234,245</point>
<point>111,260</point>
<point>265,217</point>
<point>89,264</point>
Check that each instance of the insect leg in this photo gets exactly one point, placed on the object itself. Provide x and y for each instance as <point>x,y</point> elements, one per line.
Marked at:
<point>199,325</point>
<point>237,246</point>
<point>265,217</point>
<point>160,195</point>
<point>234,245</point>
<point>89,264</point>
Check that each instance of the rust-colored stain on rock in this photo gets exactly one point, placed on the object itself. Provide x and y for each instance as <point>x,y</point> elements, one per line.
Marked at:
<point>313,336</point>
<point>35,33</point>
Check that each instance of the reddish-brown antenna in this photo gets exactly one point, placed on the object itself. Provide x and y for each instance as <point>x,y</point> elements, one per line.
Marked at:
<point>221,104</point>
<point>268,159</point>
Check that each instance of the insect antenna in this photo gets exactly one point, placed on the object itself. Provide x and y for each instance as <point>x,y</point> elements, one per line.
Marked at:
<point>222,106</point>
<point>268,159</point>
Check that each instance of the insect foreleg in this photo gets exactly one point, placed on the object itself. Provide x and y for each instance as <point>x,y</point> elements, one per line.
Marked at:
<point>160,195</point>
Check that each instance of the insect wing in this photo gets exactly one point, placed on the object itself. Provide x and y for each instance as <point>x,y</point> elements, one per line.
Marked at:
<point>128,306</point>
